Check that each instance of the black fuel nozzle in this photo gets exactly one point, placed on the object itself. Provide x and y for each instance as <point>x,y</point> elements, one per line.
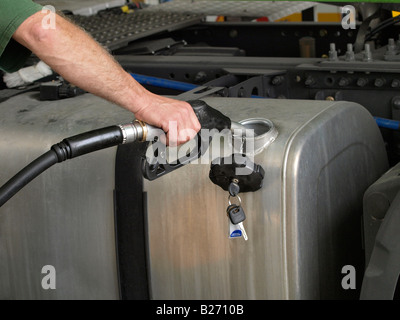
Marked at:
<point>210,119</point>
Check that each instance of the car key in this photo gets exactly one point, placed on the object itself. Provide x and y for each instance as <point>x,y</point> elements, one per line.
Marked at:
<point>237,216</point>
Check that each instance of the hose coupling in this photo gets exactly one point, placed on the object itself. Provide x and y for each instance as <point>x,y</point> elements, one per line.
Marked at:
<point>133,131</point>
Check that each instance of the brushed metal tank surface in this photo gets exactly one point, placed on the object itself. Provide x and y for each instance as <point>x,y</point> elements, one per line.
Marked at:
<point>303,225</point>
<point>65,217</point>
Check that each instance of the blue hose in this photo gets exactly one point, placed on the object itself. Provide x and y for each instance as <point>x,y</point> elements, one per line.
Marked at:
<point>163,83</point>
<point>168,84</point>
<point>387,123</point>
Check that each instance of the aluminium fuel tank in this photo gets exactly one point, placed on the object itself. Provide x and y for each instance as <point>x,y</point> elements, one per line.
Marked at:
<point>303,225</point>
<point>110,235</point>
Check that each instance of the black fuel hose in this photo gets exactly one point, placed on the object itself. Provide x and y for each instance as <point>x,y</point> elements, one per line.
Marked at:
<point>67,149</point>
<point>26,175</point>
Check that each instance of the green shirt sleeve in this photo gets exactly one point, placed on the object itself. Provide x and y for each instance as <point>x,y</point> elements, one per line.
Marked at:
<point>12,14</point>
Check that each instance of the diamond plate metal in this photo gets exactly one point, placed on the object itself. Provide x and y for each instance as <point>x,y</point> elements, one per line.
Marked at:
<point>114,31</point>
<point>271,9</point>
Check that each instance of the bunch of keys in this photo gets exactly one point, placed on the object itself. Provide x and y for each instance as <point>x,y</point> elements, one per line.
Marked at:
<point>236,214</point>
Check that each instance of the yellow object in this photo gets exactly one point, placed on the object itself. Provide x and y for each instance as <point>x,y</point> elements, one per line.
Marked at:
<point>395,13</point>
<point>329,17</point>
<point>126,9</point>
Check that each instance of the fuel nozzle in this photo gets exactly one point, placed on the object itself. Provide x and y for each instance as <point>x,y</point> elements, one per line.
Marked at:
<point>209,118</point>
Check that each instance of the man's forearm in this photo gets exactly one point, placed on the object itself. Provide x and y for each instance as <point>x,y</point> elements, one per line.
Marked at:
<point>87,66</point>
<point>79,59</point>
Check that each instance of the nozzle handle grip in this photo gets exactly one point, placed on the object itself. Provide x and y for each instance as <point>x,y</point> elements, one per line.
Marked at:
<point>209,117</point>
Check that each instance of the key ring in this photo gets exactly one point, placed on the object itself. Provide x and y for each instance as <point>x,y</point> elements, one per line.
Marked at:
<point>237,196</point>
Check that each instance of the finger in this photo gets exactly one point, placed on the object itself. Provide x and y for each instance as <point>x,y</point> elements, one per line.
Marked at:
<point>185,135</point>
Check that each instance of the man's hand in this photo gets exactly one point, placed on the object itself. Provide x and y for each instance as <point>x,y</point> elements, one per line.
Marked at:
<point>170,115</point>
<point>74,55</point>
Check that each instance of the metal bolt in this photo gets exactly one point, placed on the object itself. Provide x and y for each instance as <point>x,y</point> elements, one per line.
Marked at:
<point>361,82</point>
<point>344,82</point>
<point>391,47</point>
<point>367,53</point>
<point>379,82</point>
<point>330,98</point>
<point>200,76</point>
<point>350,53</point>
<point>395,83</point>
<point>332,52</point>
<point>396,103</point>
